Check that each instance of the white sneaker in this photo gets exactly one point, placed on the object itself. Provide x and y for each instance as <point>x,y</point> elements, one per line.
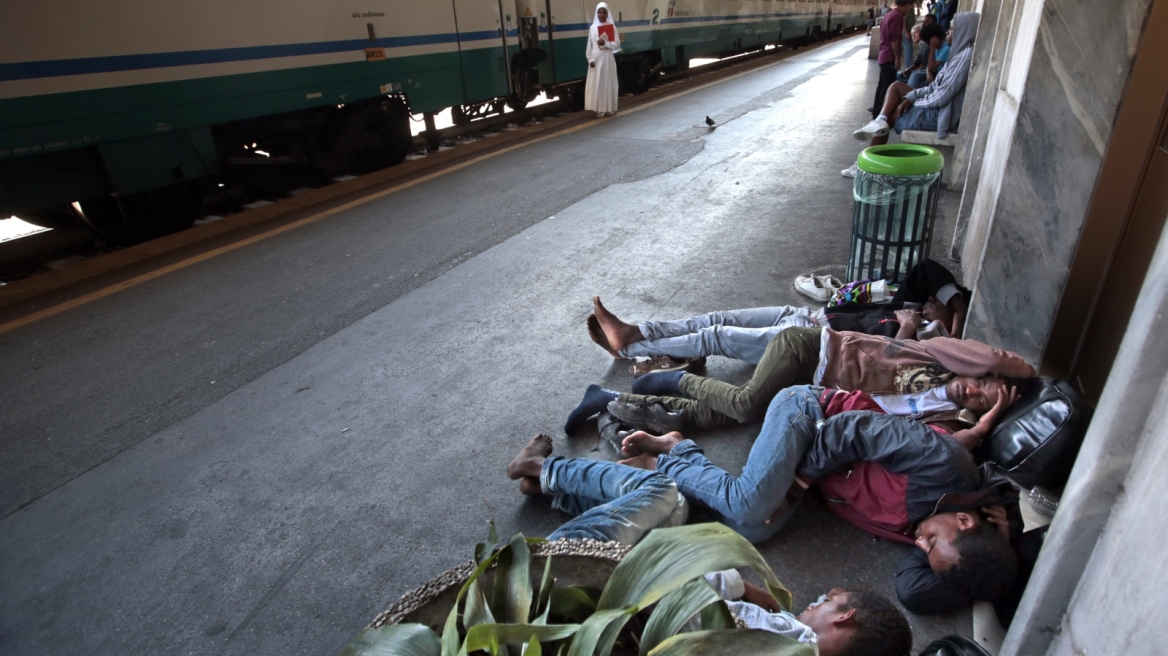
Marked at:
<point>876,128</point>
<point>851,172</point>
<point>812,288</point>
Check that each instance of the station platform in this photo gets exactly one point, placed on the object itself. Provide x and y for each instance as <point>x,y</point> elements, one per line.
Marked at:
<point>259,452</point>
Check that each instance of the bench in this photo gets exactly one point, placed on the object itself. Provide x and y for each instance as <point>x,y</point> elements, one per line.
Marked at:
<point>929,138</point>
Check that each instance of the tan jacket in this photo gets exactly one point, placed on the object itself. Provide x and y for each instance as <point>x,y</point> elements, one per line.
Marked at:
<point>883,365</point>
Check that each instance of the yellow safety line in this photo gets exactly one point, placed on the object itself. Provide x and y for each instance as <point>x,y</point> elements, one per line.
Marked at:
<point>170,268</point>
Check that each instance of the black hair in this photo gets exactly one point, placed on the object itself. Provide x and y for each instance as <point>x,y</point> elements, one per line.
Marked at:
<point>932,30</point>
<point>987,567</point>
<point>881,629</point>
<point>901,3</point>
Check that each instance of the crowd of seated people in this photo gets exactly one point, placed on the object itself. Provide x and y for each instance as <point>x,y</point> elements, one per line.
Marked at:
<point>880,416</point>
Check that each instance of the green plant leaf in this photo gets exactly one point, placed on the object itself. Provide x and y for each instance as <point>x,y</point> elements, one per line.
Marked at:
<point>668,558</point>
<point>395,640</point>
<point>717,616</point>
<point>483,550</point>
<point>545,593</point>
<point>574,602</point>
<point>674,610</point>
<point>532,648</point>
<point>483,636</point>
<point>740,642</point>
<point>450,630</point>
<point>598,633</point>
<point>477,611</point>
<point>511,593</point>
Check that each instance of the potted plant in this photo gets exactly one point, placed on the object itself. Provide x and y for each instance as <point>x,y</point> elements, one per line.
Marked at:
<point>589,599</point>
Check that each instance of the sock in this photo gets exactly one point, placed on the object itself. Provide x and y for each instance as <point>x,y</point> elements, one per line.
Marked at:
<point>596,399</point>
<point>882,117</point>
<point>663,383</point>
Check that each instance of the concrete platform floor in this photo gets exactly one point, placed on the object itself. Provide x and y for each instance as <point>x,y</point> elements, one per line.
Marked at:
<point>258,453</point>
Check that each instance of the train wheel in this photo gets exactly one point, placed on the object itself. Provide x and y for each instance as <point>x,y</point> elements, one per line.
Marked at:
<point>141,217</point>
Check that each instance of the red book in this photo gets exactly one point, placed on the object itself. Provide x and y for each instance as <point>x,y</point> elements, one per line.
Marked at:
<point>607,32</point>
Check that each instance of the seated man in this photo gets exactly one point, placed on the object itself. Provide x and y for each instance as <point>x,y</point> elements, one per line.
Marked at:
<point>937,106</point>
<point>891,476</point>
<point>941,376</point>
<point>612,501</point>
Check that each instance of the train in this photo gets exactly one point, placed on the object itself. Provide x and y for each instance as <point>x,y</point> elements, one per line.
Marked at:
<point>121,114</point>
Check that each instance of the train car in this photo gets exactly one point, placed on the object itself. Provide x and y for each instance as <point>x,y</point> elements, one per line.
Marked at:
<point>119,114</point>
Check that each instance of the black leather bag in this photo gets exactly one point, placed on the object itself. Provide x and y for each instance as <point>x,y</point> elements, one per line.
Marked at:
<point>1036,441</point>
<point>954,645</point>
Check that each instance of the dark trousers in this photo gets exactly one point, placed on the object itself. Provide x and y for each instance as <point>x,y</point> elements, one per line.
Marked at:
<point>887,77</point>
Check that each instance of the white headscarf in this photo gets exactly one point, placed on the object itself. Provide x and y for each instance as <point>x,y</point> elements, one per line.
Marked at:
<point>596,15</point>
<point>594,31</point>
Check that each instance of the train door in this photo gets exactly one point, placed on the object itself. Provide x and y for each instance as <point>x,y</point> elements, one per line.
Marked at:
<point>569,22</point>
<point>481,41</point>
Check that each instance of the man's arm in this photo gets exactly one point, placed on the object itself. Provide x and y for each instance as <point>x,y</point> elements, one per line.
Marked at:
<point>921,591</point>
<point>966,357</point>
<point>896,443</point>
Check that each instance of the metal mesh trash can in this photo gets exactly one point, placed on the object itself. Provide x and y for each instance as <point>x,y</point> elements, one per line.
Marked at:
<point>896,190</point>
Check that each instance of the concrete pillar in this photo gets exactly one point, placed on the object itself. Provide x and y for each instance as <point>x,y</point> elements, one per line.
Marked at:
<point>1053,112</point>
<point>1098,584</point>
<point>984,77</point>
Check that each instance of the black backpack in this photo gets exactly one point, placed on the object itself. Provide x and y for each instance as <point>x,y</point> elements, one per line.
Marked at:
<point>954,645</point>
<point>1037,440</point>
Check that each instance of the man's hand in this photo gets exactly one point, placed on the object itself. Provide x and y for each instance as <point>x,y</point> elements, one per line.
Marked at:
<point>1005,400</point>
<point>903,107</point>
<point>909,321</point>
<point>996,515</point>
<point>760,597</point>
<point>591,64</point>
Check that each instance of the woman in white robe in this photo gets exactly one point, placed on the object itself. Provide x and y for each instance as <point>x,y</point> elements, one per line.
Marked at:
<point>600,90</point>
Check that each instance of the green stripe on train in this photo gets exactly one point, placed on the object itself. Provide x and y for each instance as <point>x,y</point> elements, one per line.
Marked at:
<point>432,82</point>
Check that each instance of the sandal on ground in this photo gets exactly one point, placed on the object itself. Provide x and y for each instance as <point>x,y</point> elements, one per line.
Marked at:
<point>813,288</point>
<point>659,363</point>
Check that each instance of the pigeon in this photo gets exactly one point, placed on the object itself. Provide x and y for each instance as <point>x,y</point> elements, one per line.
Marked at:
<point>710,122</point>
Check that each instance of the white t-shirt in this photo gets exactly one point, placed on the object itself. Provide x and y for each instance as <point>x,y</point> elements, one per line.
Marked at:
<point>915,405</point>
<point>730,587</point>
<point>824,347</point>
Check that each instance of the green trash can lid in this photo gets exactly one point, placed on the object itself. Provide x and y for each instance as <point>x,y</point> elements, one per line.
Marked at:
<point>901,159</point>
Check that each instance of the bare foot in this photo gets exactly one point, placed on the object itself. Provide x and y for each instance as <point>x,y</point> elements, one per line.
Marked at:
<point>619,333</point>
<point>643,461</point>
<point>597,335</point>
<point>640,442</point>
<point>529,462</point>
<point>529,486</point>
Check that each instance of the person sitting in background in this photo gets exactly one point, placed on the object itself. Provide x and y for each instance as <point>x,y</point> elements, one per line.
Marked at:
<point>939,51</point>
<point>927,38</point>
<point>935,107</point>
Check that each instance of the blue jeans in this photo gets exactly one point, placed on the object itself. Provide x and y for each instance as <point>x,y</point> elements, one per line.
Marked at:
<point>739,334</point>
<point>746,502</point>
<point>918,118</point>
<point>611,502</point>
